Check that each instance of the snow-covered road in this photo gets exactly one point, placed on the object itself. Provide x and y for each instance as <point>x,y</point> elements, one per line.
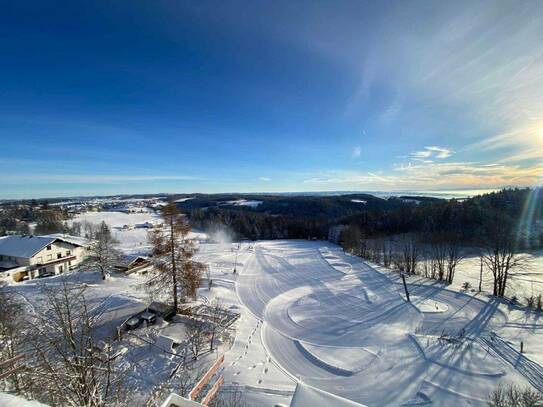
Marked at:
<point>340,325</point>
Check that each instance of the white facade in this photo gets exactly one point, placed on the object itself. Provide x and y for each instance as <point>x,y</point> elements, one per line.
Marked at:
<point>39,256</point>
<point>55,258</point>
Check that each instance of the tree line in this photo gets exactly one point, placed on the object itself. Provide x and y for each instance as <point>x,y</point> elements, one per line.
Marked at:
<point>313,217</point>
<point>436,254</point>
<point>426,236</point>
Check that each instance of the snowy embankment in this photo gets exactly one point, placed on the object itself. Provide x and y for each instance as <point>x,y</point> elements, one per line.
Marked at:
<point>342,361</point>
<point>335,261</point>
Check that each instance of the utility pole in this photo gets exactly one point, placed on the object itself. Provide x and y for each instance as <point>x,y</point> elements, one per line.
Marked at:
<point>405,287</point>
<point>481,275</point>
<point>236,261</point>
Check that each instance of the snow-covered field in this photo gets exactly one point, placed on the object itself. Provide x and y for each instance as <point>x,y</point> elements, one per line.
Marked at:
<point>528,281</point>
<point>132,240</point>
<point>310,312</point>
<point>349,331</point>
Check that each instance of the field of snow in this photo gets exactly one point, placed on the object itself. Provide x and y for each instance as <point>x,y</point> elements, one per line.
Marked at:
<point>310,312</point>
<point>132,240</point>
<point>349,331</point>
<point>529,280</point>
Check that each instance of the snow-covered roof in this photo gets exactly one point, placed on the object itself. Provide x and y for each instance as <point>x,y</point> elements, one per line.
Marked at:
<point>23,246</point>
<point>176,400</point>
<point>305,395</point>
<point>76,240</point>
<point>7,264</point>
<point>27,246</point>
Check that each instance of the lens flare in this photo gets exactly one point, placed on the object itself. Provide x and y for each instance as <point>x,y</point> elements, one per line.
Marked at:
<point>525,231</point>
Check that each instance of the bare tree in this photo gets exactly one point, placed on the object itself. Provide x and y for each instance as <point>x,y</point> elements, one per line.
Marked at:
<point>388,252</point>
<point>49,221</point>
<point>75,229</point>
<point>12,336</point>
<point>181,382</point>
<point>102,253</point>
<point>374,248</point>
<point>173,255</point>
<point>409,255</point>
<point>446,254</point>
<point>439,259</point>
<point>511,395</point>
<point>216,317</point>
<point>353,241</point>
<point>68,365</point>
<point>454,256</point>
<point>500,256</point>
<point>196,333</point>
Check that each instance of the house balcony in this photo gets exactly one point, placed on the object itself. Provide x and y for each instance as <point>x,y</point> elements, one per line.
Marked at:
<point>56,261</point>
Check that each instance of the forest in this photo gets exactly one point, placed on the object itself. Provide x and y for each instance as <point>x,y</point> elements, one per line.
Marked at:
<point>428,236</point>
<point>308,217</point>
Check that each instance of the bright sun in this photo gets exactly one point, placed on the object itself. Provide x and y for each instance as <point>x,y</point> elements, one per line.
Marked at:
<point>540,134</point>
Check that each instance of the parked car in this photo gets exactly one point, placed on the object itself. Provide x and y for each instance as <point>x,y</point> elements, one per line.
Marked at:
<point>133,323</point>
<point>166,312</point>
<point>149,318</point>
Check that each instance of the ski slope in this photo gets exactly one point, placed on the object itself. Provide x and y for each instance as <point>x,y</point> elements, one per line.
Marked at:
<point>337,324</point>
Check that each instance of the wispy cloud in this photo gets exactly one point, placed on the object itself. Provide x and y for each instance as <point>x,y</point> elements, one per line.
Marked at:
<point>432,176</point>
<point>265,179</point>
<point>522,144</point>
<point>90,179</point>
<point>432,152</point>
<point>357,150</point>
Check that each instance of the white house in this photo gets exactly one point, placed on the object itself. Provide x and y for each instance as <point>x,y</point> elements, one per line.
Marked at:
<point>39,256</point>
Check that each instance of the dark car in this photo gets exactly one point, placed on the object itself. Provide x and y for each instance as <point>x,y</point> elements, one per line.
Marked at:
<point>133,323</point>
<point>166,312</point>
<point>149,318</point>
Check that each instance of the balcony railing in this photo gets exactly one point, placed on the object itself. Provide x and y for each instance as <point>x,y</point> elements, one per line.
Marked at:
<point>56,261</point>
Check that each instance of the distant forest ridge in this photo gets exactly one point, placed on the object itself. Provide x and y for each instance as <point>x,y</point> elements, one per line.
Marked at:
<point>443,194</point>
<point>254,216</point>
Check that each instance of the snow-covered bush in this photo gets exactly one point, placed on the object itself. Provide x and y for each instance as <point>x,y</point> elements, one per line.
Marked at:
<point>511,395</point>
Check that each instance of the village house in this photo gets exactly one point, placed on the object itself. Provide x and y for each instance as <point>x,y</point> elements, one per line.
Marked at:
<point>28,257</point>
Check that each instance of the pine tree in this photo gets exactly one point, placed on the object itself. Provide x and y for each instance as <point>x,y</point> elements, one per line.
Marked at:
<point>173,252</point>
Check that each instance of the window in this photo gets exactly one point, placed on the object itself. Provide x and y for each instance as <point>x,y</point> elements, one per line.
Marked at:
<point>68,253</point>
<point>48,247</point>
<point>49,257</point>
<point>40,260</point>
<point>59,255</point>
<point>61,269</point>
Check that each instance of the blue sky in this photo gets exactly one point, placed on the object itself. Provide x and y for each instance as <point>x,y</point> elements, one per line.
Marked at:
<point>169,96</point>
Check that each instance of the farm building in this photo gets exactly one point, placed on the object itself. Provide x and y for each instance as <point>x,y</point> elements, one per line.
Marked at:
<point>28,257</point>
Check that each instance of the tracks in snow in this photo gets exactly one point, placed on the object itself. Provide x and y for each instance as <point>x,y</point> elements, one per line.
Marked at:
<point>532,371</point>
